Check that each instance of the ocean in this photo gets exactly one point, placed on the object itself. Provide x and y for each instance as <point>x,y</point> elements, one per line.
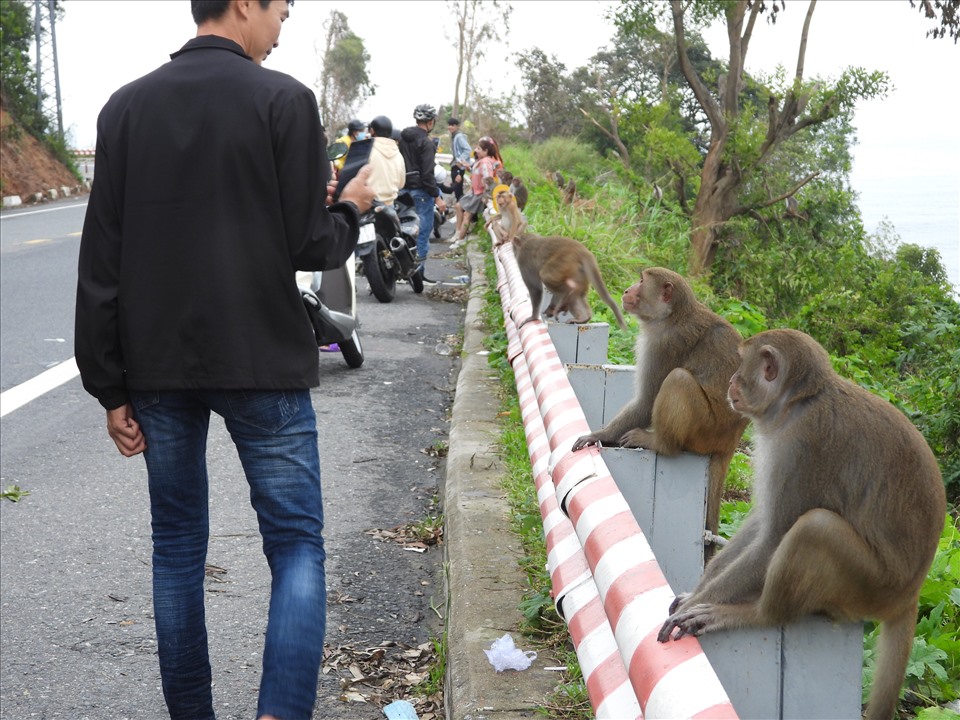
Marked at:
<point>924,211</point>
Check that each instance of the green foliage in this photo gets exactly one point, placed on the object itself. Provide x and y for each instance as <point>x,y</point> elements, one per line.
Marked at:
<point>13,493</point>
<point>17,78</point>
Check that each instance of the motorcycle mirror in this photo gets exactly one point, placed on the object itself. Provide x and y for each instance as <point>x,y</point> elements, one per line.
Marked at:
<point>337,150</point>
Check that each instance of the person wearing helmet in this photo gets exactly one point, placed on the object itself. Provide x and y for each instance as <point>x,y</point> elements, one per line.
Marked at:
<point>355,131</point>
<point>388,169</point>
<point>419,155</point>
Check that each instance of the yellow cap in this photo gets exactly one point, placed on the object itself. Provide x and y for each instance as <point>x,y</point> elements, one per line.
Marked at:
<point>496,191</point>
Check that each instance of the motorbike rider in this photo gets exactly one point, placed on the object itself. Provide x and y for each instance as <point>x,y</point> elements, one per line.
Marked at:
<point>388,169</point>
<point>355,131</point>
<point>419,155</point>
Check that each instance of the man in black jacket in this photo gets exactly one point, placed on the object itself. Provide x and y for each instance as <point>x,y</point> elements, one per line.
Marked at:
<point>210,193</point>
<point>419,155</point>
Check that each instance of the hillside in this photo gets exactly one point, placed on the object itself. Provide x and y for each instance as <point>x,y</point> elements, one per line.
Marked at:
<point>26,167</point>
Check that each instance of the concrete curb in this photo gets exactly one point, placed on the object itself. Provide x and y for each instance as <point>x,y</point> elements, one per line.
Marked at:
<point>484,581</point>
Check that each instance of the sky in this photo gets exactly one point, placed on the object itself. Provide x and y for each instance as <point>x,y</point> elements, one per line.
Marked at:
<point>103,44</point>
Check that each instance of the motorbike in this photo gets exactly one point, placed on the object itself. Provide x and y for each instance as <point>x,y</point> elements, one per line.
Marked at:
<point>331,303</point>
<point>387,248</point>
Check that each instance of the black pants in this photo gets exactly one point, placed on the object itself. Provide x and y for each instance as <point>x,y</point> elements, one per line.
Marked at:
<point>456,181</point>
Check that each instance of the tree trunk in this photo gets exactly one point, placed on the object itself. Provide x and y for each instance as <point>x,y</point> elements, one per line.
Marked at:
<point>715,204</point>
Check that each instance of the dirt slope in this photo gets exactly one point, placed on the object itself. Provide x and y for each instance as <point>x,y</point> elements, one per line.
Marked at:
<point>26,167</point>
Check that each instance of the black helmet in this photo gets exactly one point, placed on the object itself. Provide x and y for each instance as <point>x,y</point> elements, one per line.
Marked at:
<point>381,126</point>
<point>356,125</point>
<point>426,111</point>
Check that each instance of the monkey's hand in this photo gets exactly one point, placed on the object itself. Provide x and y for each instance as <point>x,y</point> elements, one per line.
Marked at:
<point>636,439</point>
<point>695,620</point>
<point>585,441</point>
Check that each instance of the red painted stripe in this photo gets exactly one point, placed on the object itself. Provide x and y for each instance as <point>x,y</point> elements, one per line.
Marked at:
<point>652,660</point>
<point>724,711</point>
<point>604,536</point>
<point>606,677</point>
<point>633,582</point>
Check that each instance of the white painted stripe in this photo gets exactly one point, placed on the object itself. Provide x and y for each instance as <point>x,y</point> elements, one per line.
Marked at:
<point>642,615</point>
<point>598,511</point>
<point>595,648</point>
<point>686,690</point>
<point>7,216</point>
<point>618,559</point>
<point>620,704</point>
<point>23,393</point>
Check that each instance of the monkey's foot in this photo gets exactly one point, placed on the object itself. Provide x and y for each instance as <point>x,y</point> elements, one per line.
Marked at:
<point>584,441</point>
<point>636,439</point>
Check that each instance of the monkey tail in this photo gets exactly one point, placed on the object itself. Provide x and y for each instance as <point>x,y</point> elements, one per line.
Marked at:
<point>593,272</point>
<point>893,652</point>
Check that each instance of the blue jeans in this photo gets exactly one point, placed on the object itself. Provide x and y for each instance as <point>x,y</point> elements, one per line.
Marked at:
<point>275,433</point>
<point>425,205</point>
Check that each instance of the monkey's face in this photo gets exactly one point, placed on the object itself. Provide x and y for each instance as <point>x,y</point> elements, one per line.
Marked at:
<point>644,299</point>
<point>757,383</point>
<point>504,198</point>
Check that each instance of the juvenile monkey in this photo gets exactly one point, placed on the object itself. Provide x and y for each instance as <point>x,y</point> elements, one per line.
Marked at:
<point>509,223</point>
<point>519,191</point>
<point>685,355</point>
<point>848,508</point>
<point>566,268</point>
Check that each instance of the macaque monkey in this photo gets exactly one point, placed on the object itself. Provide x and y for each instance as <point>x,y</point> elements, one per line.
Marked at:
<point>570,192</point>
<point>848,509</point>
<point>559,179</point>
<point>519,191</point>
<point>504,176</point>
<point>566,268</point>
<point>509,223</point>
<point>685,355</point>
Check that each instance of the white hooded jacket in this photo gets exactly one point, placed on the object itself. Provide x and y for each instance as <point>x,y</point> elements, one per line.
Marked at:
<point>389,171</point>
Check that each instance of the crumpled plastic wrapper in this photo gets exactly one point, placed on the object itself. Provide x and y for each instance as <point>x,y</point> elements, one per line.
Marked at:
<point>504,655</point>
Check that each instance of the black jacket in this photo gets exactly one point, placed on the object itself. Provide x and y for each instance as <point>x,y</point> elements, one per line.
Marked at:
<point>419,154</point>
<point>210,186</point>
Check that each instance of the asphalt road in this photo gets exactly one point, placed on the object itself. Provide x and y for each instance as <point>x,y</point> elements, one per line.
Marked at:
<point>76,627</point>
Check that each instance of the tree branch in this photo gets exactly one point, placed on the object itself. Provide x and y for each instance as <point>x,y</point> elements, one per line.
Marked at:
<point>749,209</point>
<point>700,90</point>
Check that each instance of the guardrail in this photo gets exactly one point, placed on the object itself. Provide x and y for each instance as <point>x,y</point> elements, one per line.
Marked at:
<point>624,531</point>
<point>670,680</point>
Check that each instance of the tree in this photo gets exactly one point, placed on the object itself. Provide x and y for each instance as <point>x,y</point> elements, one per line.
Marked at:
<point>17,79</point>
<point>343,81</point>
<point>949,17</point>
<point>742,136</point>
<point>548,98</point>
<point>478,24</point>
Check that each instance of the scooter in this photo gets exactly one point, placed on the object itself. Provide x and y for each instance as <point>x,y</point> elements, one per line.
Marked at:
<point>387,248</point>
<point>331,303</point>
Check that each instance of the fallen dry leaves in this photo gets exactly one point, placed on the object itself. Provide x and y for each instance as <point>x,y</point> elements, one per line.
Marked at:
<point>379,675</point>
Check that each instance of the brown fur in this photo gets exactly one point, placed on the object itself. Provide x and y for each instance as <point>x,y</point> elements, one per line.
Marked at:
<point>848,509</point>
<point>566,268</point>
<point>685,356</point>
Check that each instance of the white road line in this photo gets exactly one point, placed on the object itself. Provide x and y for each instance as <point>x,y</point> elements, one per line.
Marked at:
<point>23,393</point>
<point>8,216</point>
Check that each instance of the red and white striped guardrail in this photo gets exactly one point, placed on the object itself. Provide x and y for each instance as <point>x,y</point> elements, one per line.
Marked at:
<point>669,680</point>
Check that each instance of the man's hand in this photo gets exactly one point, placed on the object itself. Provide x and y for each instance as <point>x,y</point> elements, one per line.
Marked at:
<point>439,202</point>
<point>125,431</point>
<point>358,192</point>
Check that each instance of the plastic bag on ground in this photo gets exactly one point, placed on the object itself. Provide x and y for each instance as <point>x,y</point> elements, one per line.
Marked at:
<point>504,655</point>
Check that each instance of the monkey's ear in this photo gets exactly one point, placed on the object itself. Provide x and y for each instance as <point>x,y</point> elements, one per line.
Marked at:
<point>771,363</point>
<point>667,292</point>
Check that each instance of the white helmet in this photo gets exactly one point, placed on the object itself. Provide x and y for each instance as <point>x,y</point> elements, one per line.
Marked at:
<point>440,174</point>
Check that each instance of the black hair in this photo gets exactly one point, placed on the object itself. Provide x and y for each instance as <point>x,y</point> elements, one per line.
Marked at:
<point>453,121</point>
<point>204,10</point>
